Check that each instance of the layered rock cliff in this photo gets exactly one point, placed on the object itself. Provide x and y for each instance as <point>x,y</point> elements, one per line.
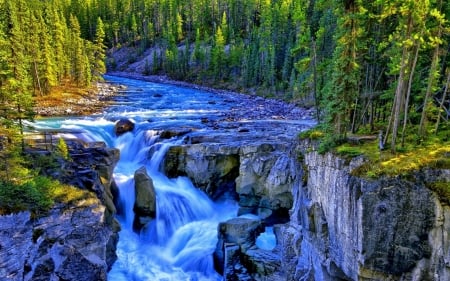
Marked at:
<point>347,228</point>
<point>329,224</point>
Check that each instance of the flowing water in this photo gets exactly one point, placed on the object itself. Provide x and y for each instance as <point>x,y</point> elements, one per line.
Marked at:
<point>179,243</point>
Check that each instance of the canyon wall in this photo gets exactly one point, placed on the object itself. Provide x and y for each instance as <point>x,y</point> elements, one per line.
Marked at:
<point>329,225</point>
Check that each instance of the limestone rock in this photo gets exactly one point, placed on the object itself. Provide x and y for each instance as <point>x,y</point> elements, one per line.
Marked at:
<point>347,228</point>
<point>261,175</point>
<point>212,168</point>
<point>72,242</point>
<point>145,198</point>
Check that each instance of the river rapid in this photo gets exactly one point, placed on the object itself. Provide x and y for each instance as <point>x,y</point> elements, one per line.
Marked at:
<point>179,243</point>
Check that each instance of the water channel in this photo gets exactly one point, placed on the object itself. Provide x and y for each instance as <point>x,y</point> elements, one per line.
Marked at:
<point>179,243</point>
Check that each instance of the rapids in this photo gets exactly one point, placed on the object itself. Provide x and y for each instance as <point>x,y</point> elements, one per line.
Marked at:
<point>179,243</point>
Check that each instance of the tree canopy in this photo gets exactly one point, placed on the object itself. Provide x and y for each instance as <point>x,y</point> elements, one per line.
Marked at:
<point>379,64</point>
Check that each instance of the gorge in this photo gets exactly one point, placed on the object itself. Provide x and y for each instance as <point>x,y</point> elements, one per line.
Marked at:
<point>218,173</point>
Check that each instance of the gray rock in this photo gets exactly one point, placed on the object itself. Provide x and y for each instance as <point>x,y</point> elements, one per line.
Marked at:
<point>145,198</point>
<point>69,244</point>
<point>72,242</point>
<point>347,228</point>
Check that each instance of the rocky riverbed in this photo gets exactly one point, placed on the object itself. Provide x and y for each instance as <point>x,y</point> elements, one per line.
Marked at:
<point>247,107</point>
<point>95,100</point>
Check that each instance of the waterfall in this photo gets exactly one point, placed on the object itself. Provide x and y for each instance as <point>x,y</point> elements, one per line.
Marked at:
<point>178,244</point>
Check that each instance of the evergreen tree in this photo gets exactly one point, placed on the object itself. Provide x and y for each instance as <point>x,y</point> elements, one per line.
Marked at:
<point>99,51</point>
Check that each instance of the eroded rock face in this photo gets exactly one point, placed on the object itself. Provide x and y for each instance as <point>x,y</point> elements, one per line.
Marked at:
<point>340,227</point>
<point>212,168</point>
<point>259,175</point>
<point>71,242</point>
<point>346,228</point>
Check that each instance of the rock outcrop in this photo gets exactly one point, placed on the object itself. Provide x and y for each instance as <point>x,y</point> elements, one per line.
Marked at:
<point>346,228</point>
<point>329,224</point>
<point>72,242</point>
<point>259,175</point>
<point>145,199</point>
<point>122,126</point>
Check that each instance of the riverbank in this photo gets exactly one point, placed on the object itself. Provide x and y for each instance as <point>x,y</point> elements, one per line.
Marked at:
<point>77,102</point>
<point>73,101</point>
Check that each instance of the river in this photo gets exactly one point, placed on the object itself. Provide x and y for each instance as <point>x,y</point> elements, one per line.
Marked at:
<point>179,243</point>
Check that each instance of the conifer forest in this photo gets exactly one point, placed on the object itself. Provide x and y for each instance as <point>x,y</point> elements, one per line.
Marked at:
<point>366,66</point>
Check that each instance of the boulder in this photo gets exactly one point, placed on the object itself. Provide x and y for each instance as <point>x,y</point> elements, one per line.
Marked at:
<point>122,126</point>
<point>145,198</point>
<point>238,258</point>
<point>240,232</point>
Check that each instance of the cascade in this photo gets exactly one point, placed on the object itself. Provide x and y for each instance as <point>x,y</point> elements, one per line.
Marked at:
<point>178,244</point>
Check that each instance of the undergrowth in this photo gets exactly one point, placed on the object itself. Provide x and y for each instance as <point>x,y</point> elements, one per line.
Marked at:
<point>37,195</point>
<point>414,155</point>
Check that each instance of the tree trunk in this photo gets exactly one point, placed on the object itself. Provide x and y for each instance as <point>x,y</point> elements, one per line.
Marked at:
<point>408,92</point>
<point>399,92</point>
<point>441,104</point>
<point>431,79</point>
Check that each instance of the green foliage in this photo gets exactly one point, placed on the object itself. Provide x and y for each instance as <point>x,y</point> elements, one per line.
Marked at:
<point>442,189</point>
<point>348,151</point>
<point>62,150</point>
<point>38,195</point>
<point>313,134</point>
<point>33,195</point>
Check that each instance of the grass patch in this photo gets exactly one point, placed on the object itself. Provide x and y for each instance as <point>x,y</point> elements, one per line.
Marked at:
<point>408,159</point>
<point>38,195</point>
<point>313,134</point>
<point>349,151</point>
<point>442,189</point>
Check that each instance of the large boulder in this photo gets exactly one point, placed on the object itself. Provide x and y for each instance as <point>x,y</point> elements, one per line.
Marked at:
<point>145,198</point>
<point>123,126</point>
<point>238,258</point>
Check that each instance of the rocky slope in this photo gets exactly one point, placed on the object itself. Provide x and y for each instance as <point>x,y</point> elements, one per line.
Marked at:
<point>71,242</point>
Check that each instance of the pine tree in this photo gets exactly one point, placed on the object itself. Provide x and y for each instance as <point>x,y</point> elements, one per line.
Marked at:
<point>218,55</point>
<point>344,88</point>
<point>99,67</point>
